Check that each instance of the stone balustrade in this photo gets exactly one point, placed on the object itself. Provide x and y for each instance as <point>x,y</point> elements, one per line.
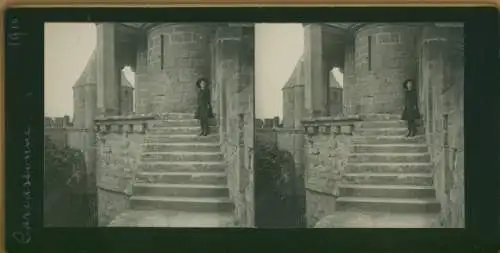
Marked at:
<point>339,125</point>
<point>124,124</point>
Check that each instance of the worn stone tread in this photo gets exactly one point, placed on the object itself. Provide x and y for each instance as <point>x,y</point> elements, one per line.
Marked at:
<point>385,137</point>
<point>168,218</point>
<point>181,153</point>
<point>388,164</point>
<point>178,135</point>
<point>351,219</point>
<point>389,200</point>
<point>390,145</point>
<point>181,163</point>
<point>190,173</point>
<point>383,129</point>
<point>182,199</point>
<point>207,186</point>
<point>390,154</point>
<point>372,186</point>
<point>387,174</point>
<point>182,144</point>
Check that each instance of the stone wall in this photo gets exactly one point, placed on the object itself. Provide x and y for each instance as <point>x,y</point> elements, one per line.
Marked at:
<point>118,158</point>
<point>235,85</point>
<point>327,148</point>
<point>441,86</point>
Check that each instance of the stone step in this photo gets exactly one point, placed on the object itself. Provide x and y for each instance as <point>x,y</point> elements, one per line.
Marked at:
<point>387,191</point>
<point>418,179</point>
<point>179,130</point>
<point>381,117</point>
<point>381,131</point>
<point>181,204</point>
<point>370,219</point>
<point>176,116</point>
<point>176,122</point>
<point>213,178</point>
<point>182,146</point>
<point>181,156</point>
<point>152,138</point>
<point>382,124</point>
<point>205,166</point>
<point>388,139</point>
<point>389,148</point>
<point>389,167</point>
<point>389,158</point>
<point>181,190</point>
<point>396,205</point>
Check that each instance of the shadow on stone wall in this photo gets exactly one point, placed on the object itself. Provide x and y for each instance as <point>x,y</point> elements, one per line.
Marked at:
<point>67,202</point>
<point>277,204</point>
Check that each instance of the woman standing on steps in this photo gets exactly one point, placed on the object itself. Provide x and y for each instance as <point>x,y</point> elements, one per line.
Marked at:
<point>410,112</point>
<point>204,108</point>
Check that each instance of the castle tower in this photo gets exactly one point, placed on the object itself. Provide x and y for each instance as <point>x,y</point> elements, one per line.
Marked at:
<point>385,56</point>
<point>85,96</point>
<point>172,58</point>
<point>293,97</point>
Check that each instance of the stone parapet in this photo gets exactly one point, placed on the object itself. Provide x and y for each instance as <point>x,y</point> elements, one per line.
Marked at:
<point>124,124</point>
<point>331,125</point>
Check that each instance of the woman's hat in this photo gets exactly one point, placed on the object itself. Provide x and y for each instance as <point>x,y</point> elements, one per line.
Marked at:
<point>198,82</point>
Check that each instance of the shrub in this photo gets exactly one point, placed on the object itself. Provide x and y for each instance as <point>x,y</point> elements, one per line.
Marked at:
<point>274,186</point>
<point>62,165</point>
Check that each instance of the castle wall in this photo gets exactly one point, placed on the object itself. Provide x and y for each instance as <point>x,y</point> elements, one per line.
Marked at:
<point>326,152</point>
<point>235,68</point>
<point>441,103</point>
<point>168,84</point>
<point>118,159</point>
<point>380,74</point>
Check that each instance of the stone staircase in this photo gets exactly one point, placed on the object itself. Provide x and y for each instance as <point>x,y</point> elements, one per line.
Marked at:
<point>184,173</point>
<point>388,179</point>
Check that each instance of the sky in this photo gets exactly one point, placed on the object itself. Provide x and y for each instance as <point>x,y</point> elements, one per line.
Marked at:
<point>68,47</point>
<point>278,47</point>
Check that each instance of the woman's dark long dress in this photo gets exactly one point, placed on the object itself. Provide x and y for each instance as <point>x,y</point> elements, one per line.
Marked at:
<point>204,110</point>
<point>411,112</point>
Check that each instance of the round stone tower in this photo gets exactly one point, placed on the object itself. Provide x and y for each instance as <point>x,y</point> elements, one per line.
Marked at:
<point>385,56</point>
<point>177,55</point>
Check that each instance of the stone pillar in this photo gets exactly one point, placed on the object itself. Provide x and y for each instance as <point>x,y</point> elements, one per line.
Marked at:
<point>385,57</point>
<point>349,82</point>
<point>315,87</point>
<point>108,82</point>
